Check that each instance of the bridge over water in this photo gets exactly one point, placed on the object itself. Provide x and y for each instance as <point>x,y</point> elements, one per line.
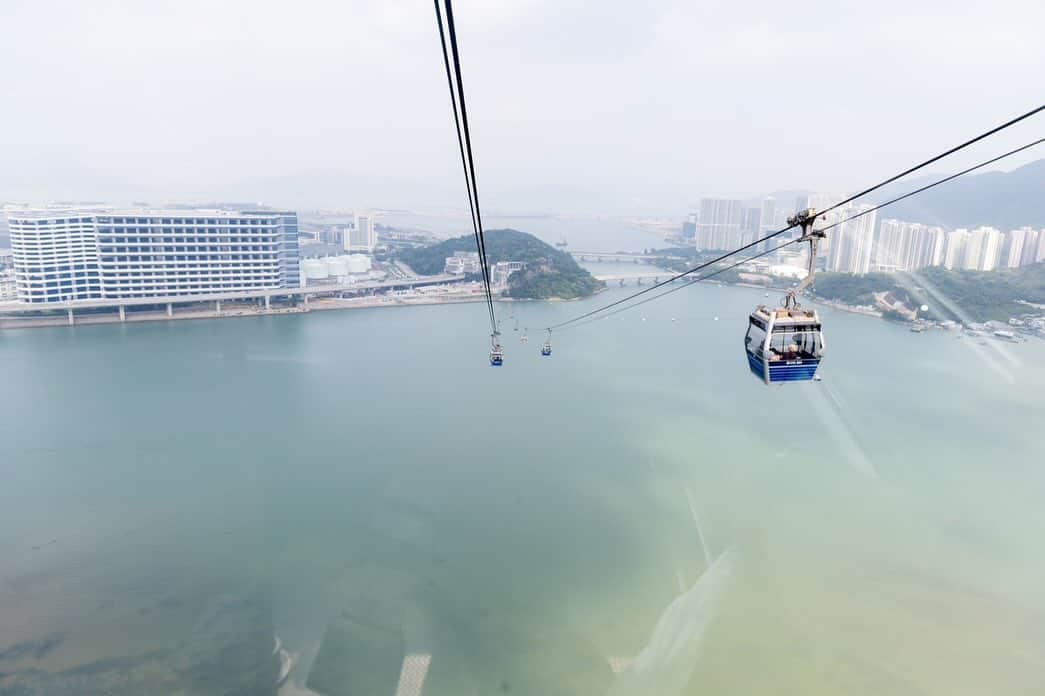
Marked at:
<point>618,257</point>
<point>622,279</point>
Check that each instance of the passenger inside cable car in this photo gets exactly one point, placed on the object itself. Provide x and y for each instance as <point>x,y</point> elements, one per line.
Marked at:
<point>794,345</point>
<point>791,351</point>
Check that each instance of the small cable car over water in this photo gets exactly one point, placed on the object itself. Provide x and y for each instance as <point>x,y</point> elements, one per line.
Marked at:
<point>546,349</point>
<point>786,344</point>
<point>496,353</point>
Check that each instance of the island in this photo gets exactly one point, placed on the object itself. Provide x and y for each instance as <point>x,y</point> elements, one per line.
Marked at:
<point>538,271</point>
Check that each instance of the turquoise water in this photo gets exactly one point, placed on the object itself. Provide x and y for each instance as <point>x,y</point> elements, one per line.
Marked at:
<point>634,515</point>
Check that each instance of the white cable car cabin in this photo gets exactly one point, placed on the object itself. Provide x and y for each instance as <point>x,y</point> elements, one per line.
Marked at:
<point>784,344</point>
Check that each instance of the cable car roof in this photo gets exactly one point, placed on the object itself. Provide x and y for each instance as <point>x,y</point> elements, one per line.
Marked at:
<point>782,316</point>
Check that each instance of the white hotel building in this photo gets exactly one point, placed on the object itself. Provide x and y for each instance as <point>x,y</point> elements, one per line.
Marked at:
<point>63,254</point>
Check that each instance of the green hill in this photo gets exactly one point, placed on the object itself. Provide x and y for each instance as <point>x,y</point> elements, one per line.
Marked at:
<point>981,295</point>
<point>549,273</point>
<point>1002,199</point>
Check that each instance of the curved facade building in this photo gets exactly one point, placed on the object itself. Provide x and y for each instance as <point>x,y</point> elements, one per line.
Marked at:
<point>63,254</point>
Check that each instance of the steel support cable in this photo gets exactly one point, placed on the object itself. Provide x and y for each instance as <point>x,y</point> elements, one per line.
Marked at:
<point>471,159</point>
<point>465,147</point>
<point>937,158</point>
<point>848,200</point>
<point>915,192</point>
<point>691,281</point>
<point>460,138</point>
<point>795,241</point>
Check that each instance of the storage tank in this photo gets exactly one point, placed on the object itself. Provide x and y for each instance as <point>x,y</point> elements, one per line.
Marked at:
<point>359,263</point>
<point>313,269</point>
<point>337,266</point>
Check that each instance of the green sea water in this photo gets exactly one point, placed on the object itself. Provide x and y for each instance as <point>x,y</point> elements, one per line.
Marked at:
<point>635,515</point>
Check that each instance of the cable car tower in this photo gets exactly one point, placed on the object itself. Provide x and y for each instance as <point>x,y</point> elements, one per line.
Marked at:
<point>786,344</point>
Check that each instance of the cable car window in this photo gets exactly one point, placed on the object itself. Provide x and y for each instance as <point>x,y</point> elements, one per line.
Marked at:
<point>795,345</point>
<point>756,337</point>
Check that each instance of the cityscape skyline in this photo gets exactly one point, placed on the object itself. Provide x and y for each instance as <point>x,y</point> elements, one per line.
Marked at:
<point>859,242</point>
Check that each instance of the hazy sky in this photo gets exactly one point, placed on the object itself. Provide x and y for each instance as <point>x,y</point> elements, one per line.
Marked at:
<point>575,106</point>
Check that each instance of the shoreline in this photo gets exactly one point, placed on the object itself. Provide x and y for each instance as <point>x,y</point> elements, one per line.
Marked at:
<point>327,304</point>
<point>322,304</point>
<point>318,305</point>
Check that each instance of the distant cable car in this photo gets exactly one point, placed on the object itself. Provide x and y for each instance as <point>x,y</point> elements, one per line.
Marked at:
<point>496,353</point>
<point>786,344</point>
<point>546,349</point>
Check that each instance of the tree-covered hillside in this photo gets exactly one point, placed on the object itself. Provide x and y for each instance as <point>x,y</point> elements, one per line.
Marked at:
<point>980,295</point>
<point>549,273</point>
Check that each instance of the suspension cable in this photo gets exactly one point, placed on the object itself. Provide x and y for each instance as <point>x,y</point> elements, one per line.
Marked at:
<point>464,142</point>
<point>795,241</point>
<point>848,200</point>
<point>936,183</point>
<point>937,158</point>
<point>690,281</point>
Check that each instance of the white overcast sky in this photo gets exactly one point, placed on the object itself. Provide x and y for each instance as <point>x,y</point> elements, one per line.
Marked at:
<point>596,106</point>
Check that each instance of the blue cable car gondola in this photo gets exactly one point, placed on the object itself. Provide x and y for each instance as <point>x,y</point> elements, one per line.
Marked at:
<point>546,349</point>
<point>496,353</point>
<point>786,344</point>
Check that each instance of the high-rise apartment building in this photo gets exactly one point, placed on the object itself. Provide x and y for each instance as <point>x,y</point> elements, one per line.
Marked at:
<point>689,227</point>
<point>361,237</point>
<point>768,217</point>
<point>1012,249</point>
<point>982,249</point>
<point>955,249</point>
<point>1033,247</point>
<point>993,241</point>
<point>821,201</point>
<point>95,253</point>
<point>908,246</point>
<point>851,241</point>
<point>720,223</point>
<point>752,224</point>
<point>973,250</point>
